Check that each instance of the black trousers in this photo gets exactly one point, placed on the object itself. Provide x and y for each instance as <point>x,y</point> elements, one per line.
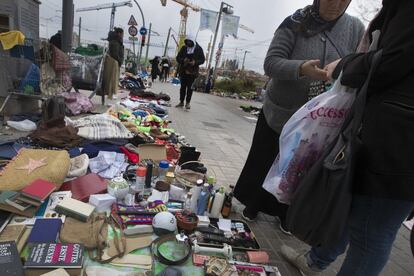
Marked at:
<point>249,190</point>
<point>186,91</point>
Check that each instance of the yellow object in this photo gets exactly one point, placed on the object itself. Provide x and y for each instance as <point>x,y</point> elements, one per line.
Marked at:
<point>11,39</point>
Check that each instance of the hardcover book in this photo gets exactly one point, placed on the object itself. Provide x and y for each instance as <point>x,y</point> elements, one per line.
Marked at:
<point>55,255</point>
<point>10,263</point>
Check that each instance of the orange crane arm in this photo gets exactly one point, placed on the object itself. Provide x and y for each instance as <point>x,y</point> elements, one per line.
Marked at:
<point>188,5</point>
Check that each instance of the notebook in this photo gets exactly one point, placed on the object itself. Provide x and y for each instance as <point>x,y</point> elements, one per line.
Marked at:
<point>85,186</point>
<point>45,230</point>
<point>75,208</point>
<point>38,190</point>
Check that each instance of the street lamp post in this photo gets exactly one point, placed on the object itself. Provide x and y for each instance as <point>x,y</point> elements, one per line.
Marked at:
<point>244,58</point>
<point>227,9</point>
<point>143,25</point>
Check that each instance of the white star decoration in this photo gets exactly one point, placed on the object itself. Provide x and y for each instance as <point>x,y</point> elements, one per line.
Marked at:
<point>33,165</point>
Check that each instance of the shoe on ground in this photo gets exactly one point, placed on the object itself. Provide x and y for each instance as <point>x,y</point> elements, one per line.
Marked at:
<point>187,106</point>
<point>283,226</point>
<point>180,105</point>
<point>298,260</point>
<point>248,216</point>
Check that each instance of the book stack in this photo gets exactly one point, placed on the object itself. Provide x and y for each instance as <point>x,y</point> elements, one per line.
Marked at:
<point>31,197</point>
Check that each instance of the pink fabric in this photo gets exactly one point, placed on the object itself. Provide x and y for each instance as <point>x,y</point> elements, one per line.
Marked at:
<point>77,103</point>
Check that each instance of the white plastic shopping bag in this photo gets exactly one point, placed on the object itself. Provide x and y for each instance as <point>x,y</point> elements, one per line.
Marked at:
<point>304,137</point>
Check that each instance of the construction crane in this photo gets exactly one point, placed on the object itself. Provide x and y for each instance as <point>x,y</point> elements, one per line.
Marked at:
<point>112,6</point>
<point>182,32</point>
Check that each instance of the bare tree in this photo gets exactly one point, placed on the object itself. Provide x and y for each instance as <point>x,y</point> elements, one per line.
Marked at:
<point>367,9</point>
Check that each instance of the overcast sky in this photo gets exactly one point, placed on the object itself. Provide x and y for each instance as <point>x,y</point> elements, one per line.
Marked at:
<point>263,16</point>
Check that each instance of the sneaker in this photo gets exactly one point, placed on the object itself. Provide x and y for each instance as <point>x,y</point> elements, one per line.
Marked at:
<point>298,260</point>
<point>181,104</point>
<point>283,226</point>
<point>187,106</point>
<point>248,216</point>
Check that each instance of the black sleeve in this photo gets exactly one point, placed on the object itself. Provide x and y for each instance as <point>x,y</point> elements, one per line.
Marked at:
<point>181,55</point>
<point>200,58</point>
<point>397,58</point>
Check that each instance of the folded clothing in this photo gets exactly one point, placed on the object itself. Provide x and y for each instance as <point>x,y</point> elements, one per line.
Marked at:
<point>93,149</point>
<point>102,126</point>
<point>59,137</point>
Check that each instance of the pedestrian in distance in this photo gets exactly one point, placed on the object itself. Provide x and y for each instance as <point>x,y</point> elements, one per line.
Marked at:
<point>165,69</point>
<point>113,62</point>
<point>383,191</point>
<point>189,59</point>
<point>155,68</point>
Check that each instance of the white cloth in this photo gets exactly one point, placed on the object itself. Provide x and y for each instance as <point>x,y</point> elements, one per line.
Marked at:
<point>108,164</point>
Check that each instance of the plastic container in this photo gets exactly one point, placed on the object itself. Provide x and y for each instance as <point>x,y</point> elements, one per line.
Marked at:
<point>163,168</point>
<point>218,203</point>
<point>187,203</point>
<point>196,191</point>
<point>203,200</point>
<point>141,173</point>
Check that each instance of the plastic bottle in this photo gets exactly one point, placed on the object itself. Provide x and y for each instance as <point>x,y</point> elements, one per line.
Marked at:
<point>148,179</point>
<point>227,205</point>
<point>196,191</point>
<point>187,203</point>
<point>141,172</point>
<point>203,200</point>
<point>211,181</point>
<point>211,200</point>
<point>162,170</point>
<point>218,203</point>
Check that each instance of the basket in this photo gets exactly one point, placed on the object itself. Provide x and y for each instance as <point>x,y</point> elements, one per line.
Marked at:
<point>186,222</point>
<point>188,177</point>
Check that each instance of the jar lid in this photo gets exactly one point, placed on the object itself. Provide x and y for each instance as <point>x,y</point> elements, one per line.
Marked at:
<point>141,171</point>
<point>164,164</point>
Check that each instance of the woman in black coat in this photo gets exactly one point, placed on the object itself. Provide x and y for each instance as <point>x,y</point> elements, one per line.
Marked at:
<point>155,69</point>
<point>189,59</point>
<point>384,184</point>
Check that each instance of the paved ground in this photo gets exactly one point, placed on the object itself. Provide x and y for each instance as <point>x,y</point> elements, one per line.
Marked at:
<point>223,133</point>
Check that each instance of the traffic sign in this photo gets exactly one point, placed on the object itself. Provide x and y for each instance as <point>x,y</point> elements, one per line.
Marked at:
<point>143,31</point>
<point>133,38</point>
<point>132,21</point>
<point>132,30</point>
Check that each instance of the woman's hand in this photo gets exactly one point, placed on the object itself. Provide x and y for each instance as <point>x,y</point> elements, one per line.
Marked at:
<point>311,69</point>
<point>330,68</point>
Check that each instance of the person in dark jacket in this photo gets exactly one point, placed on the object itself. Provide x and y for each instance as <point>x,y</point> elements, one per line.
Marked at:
<point>165,69</point>
<point>113,62</point>
<point>189,59</point>
<point>155,68</point>
<point>116,45</point>
<point>383,186</point>
<point>56,40</point>
<point>302,45</point>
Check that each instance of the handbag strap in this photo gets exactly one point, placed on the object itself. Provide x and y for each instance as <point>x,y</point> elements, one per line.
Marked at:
<point>119,241</point>
<point>361,100</point>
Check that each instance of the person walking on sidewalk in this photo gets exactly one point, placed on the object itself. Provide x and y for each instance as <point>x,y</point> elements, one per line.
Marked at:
<point>155,68</point>
<point>383,186</point>
<point>189,59</point>
<point>165,69</point>
<point>302,45</point>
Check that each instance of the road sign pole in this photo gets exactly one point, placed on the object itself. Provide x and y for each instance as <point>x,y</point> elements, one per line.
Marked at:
<point>148,43</point>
